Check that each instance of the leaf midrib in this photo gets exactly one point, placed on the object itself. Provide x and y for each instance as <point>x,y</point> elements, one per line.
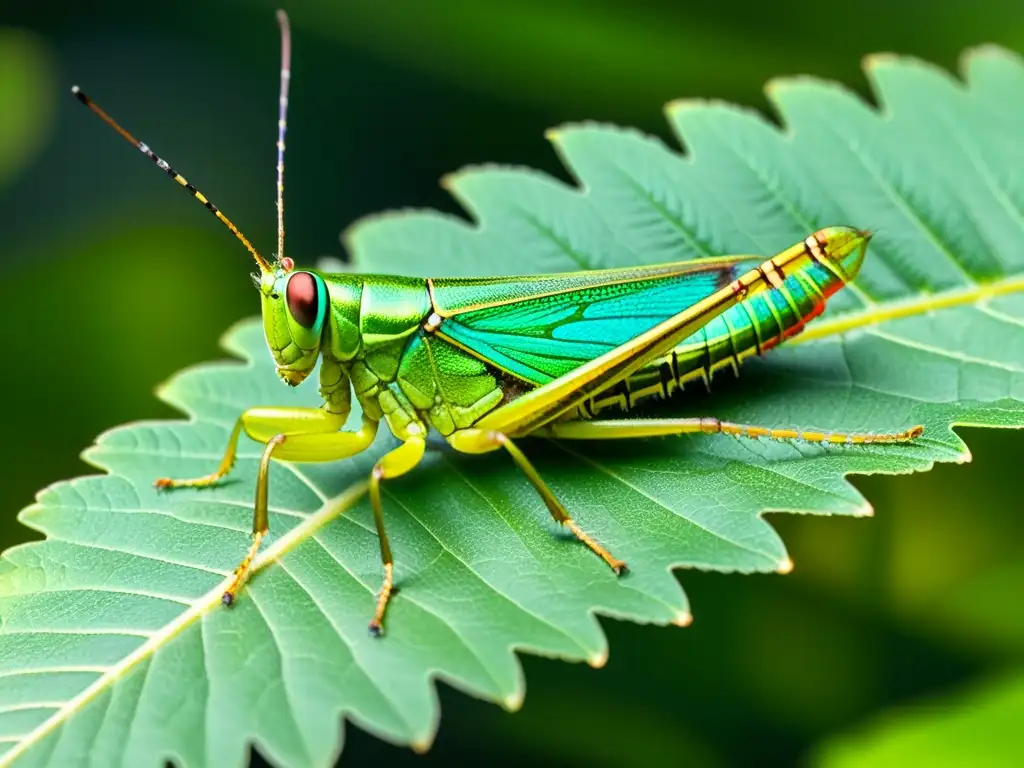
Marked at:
<point>916,305</point>
<point>329,510</point>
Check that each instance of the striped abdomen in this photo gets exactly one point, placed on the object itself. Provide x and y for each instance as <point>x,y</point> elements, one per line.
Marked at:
<point>750,328</point>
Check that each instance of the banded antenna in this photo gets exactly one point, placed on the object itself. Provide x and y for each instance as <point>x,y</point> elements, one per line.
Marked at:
<point>264,265</point>
<point>282,124</point>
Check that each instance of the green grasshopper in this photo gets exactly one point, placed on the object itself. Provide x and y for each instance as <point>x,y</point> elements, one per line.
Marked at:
<point>487,361</point>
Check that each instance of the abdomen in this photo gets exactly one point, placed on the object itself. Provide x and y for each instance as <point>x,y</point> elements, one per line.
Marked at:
<point>750,328</point>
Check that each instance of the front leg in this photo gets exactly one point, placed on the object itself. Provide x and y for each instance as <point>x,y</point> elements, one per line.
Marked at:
<point>290,434</point>
<point>393,464</point>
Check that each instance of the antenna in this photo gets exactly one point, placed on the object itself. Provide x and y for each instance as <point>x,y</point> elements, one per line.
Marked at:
<point>282,114</point>
<point>162,164</point>
<point>286,73</point>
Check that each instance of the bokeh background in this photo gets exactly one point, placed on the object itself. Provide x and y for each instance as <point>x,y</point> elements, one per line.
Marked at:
<point>113,280</point>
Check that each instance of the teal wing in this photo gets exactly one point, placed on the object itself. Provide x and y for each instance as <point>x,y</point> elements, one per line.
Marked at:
<point>538,329</point>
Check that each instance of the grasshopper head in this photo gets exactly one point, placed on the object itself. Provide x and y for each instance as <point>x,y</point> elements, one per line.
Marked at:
<point>294,308</point>
<point>841,249</point>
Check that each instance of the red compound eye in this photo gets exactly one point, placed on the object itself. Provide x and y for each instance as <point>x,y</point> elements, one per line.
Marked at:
<point>303,301</point>
<point>287,264</point>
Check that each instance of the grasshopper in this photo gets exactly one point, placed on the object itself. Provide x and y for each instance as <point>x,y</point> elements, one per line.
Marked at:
<point>485,362</point>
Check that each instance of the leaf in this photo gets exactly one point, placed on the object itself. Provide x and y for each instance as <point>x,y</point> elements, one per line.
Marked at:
<point>113,646</point>
<point>975,727</point>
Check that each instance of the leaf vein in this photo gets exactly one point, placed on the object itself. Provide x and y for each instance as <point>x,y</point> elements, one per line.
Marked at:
<point>479,577</point>
<point>342,636</point>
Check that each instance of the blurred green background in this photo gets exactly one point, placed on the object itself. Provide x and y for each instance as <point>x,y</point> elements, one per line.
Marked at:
<point>113,281</point>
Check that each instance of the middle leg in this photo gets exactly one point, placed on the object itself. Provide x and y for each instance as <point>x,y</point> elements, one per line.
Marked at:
<point>399,461</point>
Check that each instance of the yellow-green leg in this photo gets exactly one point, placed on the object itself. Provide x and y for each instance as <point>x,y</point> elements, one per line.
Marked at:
<point>290,434</point>
<point>619,429</point>
<point>481,441</point>
<point>399,461</point>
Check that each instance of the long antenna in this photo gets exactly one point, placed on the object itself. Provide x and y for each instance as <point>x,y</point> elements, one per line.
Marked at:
<point>78,94</point>
<point>282,114</point>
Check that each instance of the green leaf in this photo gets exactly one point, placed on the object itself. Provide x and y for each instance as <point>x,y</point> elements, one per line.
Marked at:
<point>113,645</point>
<point>976,727</point>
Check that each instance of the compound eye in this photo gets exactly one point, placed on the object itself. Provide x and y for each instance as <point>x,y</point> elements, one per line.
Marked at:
<point>303,301</point>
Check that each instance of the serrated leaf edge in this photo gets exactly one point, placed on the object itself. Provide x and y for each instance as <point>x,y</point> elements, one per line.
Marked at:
<point>334,506</point>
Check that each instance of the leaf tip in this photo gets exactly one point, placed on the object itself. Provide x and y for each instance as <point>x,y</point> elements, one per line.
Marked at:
<point>448,181</point>
<point>421,746</point>
<point>513,701</point>
<point>553,135</point>
<point>775,86</point>
<point>683,619</point>
<point>598,659</point>
<point>864,510</point>
<point>873,60</point>
<point>785,566</point>
<point>964,456</point>
<point>680,105</point>
<point>989,51</point>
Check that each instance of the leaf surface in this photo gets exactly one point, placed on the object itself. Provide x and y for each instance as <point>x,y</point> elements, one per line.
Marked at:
<point>113,646</point>
<point>975,727</point>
